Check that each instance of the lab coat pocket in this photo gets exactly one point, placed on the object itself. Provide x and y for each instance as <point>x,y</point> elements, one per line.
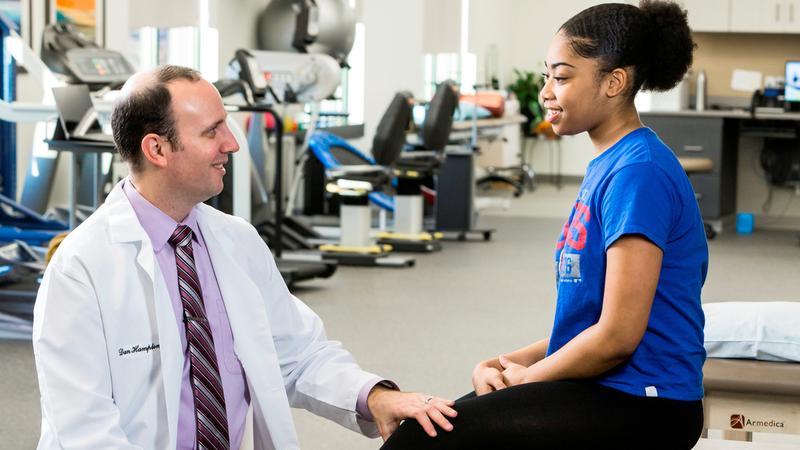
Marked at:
<point>230,359</point>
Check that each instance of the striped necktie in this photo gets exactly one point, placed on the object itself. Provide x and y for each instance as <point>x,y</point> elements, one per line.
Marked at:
<point>209,401</point>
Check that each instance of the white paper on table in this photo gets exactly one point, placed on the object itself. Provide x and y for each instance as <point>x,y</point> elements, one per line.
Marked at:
<point>746,80</point>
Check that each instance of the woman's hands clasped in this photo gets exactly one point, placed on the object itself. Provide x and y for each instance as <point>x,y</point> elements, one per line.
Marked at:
<point>489,377</point>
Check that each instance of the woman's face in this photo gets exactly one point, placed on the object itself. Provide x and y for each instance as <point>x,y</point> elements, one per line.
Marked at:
<point>572,94</point>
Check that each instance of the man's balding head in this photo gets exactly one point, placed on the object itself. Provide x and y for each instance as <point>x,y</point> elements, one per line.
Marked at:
<point>145,107</point>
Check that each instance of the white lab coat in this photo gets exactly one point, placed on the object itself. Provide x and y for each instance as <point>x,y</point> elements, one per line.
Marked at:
<point>103,292</point>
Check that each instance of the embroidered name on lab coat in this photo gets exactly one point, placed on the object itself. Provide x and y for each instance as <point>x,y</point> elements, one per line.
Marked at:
<point>138,349</point>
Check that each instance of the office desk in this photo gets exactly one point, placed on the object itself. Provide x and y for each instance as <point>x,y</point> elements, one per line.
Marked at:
<point>725,114</point>
<point>491,127</point>
<point>715,135</point>
<point>489,122</point>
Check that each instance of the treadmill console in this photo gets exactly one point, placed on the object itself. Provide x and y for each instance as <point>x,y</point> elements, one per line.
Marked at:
<point>78,60</point>
<point>95,65</point>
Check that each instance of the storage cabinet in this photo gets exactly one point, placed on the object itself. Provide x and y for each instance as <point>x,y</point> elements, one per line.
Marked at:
<point>792,14</point>
<point>744,16</point>
<point>704,137</point>
<point>765,16</point>
<point>708,15</point>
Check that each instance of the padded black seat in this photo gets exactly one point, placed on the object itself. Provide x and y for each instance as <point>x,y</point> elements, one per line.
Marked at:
<point>342,161</point>
<point>424,165</point>
<point>434,135</point>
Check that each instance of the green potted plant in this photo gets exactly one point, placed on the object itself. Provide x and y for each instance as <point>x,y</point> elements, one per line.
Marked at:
<point>526,87</point>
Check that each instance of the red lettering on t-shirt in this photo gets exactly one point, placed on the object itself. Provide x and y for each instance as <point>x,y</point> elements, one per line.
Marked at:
<point>563,237</point>
<point>576,236</point>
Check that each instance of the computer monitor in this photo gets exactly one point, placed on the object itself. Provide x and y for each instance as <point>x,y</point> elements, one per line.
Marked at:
<point>77,115</point>
<point>792,90</point>
<point>73,103</point>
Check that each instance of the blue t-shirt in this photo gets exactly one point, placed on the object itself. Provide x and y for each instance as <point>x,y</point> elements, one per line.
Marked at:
<point>638,187</point>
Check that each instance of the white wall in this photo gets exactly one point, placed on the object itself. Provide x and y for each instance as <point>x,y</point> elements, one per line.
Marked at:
<point>118,29</point>
<point>236,22</point>
<point>522,31</point>
<point>489,26</point>
<point>393,57</point>
<point>27,91</point>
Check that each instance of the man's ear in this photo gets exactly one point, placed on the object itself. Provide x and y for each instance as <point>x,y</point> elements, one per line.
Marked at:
<point>617,82</point>
<point>154,149</point>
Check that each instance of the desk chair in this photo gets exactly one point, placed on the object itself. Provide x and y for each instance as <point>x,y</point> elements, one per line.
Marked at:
<point>522,176</point>
<point>518,177</point>
<point>695,166</point>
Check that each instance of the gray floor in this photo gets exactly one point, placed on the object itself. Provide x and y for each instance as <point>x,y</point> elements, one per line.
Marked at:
<point>427,326</point>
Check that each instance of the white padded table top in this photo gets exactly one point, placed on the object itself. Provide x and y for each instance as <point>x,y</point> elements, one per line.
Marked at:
<point>745,375</point>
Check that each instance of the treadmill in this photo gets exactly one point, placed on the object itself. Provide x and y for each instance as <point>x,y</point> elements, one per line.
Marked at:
<point>268,221</point>
<point>76,60</point>
<point>270,224</point>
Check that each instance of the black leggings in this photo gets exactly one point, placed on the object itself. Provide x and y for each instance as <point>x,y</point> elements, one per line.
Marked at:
<point>560,415</point>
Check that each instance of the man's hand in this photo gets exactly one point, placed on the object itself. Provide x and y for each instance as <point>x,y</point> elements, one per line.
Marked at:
<point>486,379</point>
<point>389,407</point>
<point>513,373</point>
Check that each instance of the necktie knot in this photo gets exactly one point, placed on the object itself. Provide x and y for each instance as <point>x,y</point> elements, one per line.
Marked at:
<point>181,237</point>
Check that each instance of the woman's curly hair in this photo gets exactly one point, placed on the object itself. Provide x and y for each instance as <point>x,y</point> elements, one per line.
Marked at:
<point>653,39</point>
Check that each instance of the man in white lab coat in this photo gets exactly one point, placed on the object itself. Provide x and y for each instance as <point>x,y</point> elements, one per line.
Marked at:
<point>161,321</point>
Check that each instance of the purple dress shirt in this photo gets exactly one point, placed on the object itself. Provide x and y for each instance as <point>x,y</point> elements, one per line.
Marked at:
<point>159,227</point>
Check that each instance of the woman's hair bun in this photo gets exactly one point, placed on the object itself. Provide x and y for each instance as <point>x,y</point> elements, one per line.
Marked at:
<point>670,45</point>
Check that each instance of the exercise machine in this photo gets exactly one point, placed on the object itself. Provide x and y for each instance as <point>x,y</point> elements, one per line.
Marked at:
<point>414,168</point>
<point>247,90</point>
<point>75,60</point>
<point>414,172</point>
<point>362,180</point>
<point>292,78</point>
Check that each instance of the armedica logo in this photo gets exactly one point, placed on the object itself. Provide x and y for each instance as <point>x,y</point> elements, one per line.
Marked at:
<point>738,421</point>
